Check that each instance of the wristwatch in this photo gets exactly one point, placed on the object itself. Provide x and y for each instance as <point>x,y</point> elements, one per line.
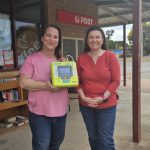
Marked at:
<point>104,100</point>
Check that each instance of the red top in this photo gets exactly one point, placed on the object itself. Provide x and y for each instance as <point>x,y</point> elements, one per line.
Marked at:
<point>95,79</point>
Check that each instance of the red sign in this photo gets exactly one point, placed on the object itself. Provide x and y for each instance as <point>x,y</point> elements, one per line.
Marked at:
<point>74,18</point>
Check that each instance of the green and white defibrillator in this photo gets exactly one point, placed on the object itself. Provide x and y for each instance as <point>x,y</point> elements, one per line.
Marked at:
<point>64,74</point>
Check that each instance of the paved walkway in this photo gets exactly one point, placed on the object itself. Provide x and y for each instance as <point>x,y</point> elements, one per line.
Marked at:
<point>76,136</point>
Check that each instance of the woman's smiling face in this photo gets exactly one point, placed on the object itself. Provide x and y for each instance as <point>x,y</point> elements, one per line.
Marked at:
<point>51,38</point>
<point>95,40</point>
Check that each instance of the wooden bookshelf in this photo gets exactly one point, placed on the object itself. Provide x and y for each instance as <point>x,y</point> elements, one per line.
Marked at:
<point>8,105</point>
<point>9,85</point>
<point>9,81</point>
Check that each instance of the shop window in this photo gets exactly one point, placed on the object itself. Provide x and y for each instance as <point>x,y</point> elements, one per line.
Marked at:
<point>27,28</point>
<point>80,47</point>
<point>73,47</point>
<point>27,17</point>
<point>26,40</point>
<point>6,54</point>
<point>69,47</point>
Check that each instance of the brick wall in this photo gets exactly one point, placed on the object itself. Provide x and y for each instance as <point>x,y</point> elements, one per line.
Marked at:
<point>83,7</point>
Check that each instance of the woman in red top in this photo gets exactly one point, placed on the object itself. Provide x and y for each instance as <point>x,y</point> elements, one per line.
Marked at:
<point>99,76</point>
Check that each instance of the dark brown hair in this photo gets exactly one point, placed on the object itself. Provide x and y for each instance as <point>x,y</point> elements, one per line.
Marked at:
<point>58,48</point>
<point>93,28</point>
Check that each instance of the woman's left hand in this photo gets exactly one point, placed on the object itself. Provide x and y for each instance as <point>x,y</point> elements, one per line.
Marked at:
<point>98,100</point>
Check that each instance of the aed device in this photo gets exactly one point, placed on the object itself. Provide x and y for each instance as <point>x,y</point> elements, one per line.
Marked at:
<point>64,74</point>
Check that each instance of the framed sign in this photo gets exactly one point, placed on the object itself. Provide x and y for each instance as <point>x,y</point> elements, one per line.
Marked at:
<point>8,58</point>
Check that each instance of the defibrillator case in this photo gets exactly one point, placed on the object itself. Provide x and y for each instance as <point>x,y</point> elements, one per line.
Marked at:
<point>64,74</point>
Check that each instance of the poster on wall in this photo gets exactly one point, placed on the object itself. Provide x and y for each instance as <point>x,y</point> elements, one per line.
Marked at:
<point>8,58</point>
<point>1,58</point>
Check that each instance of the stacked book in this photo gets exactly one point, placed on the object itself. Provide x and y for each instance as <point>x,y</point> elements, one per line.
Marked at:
<point>20,120</point>
<point>14,121</point>
<point>7,123</point>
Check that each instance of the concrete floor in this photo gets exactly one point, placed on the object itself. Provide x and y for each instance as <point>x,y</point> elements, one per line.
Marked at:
<point>76,136</point>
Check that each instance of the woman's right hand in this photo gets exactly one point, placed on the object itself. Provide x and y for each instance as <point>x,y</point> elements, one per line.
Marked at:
<point>89,101</point>
<point>49,86</point>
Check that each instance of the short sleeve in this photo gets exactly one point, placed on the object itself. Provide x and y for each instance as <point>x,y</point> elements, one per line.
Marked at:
<point>27,67</point>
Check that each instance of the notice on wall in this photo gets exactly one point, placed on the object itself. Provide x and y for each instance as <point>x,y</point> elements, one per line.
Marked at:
<point>1,58</point>
<point>8,57</point>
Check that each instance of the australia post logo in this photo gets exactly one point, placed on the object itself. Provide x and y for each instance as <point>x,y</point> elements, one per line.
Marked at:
<point>84,20</point>
<point>74,18</point>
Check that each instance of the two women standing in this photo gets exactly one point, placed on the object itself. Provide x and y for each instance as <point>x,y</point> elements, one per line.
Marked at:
<point>99,78</point>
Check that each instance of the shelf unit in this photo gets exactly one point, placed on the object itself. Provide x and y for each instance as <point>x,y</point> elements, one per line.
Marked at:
<point>8,81</point>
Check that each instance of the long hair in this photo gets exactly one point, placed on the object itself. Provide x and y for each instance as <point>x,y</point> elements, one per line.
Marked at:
<point>58,48</point>
<point>93,28</point>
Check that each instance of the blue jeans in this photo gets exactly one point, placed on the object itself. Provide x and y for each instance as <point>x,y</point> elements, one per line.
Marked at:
<point>100,127</point>
<point>47,132</point>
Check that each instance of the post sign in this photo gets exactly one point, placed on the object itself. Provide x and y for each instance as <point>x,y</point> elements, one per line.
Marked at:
<point>74,18</point>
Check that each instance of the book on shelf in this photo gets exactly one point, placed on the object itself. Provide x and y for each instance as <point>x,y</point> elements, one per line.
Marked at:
<point>11,95</point>
<point>8,79</point>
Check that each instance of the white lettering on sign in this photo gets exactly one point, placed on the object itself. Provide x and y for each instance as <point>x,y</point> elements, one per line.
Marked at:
<point>86,21</point>
<point>77,19</point>
<point>83,20</point>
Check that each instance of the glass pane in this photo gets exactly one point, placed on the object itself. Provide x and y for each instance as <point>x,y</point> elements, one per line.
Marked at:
<point>27,11</point>
<point>5,36</point>
<point>26,41</point>
<point>80,47</point>
<point>69,47</point>
<point>6,54</point>
<point>27,27</point>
